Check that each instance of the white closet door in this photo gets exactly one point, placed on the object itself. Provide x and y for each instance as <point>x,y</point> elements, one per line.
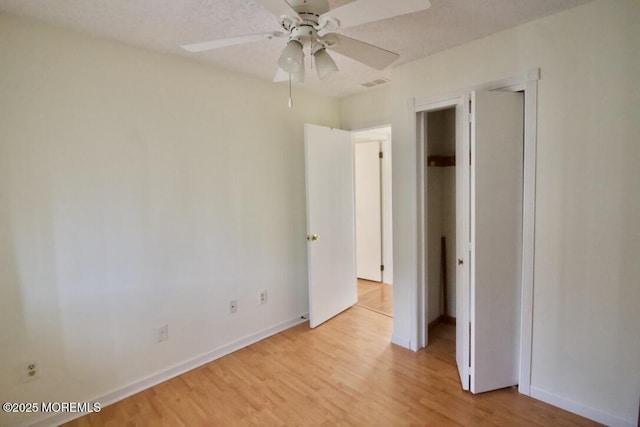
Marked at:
<point>462,242</point>
<point>368,211</point>
<point>496,233</point>
<point>329,157</point>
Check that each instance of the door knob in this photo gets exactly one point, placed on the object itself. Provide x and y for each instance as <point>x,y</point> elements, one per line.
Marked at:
<point>313,238</point>
<point>460,262</point>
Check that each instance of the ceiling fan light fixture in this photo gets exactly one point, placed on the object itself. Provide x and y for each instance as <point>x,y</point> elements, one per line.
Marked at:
<point>325,65</point>
<point>298,77</point>
<point>292,57</point>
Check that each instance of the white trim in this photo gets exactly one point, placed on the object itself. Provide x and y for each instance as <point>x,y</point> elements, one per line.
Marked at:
<point>418,289</point>
<point>528,233</point>
<point>580,409</point>
<point>387,211</point>
<point>431,102</point>
<point>423,237</point>
<point>172,371</point>
<point>401,342</point>
<point>526,82</point>
<point>440,104</point>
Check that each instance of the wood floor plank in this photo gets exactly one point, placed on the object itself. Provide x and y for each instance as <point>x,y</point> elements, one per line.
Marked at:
<point>375,296</point>
<point>342,373</point>
<point>366,286</point>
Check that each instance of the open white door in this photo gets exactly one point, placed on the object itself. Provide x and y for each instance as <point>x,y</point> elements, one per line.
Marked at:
<point>329,159</point>
<point>463,217</point>
<point>497,129</point>
<point>368,211</point>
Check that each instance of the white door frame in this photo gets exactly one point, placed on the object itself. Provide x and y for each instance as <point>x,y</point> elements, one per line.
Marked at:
<point>528,84</point>
<point>419,117</point>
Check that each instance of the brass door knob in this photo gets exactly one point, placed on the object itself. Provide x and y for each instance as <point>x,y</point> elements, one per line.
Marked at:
<point>313,238</point>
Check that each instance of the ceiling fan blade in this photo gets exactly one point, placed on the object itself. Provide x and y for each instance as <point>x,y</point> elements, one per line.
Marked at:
<point>373,56</point>
<point>280,8</point>
<point>215,44</point>
<point>364,11</point>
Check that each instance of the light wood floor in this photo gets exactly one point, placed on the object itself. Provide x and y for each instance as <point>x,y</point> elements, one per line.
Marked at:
<point>375,296</point>
<point>344,372</point>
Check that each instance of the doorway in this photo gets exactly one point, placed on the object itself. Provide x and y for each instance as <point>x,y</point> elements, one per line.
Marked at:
<point>495,131</point>
<point>331,219</point>
<point>374,263</point>
<point>440,225</point>
<point>488,221</point>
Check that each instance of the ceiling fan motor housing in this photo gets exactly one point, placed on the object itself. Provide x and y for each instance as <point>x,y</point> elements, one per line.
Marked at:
<point>312,7</point>
<point>307,31</point>
<point>306,35</point>
<point>309,12</point>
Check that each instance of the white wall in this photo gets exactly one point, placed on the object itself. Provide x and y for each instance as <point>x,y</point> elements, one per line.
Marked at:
<point>586,327</point>
<point>138,189</point>
<point>367,110</point>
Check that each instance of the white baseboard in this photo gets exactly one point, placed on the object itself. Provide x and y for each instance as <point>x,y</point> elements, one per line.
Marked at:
<point>401,342</point>
<point>580,409</point>
<point>171,372</point>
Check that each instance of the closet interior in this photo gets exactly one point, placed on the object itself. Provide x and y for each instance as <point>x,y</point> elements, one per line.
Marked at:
<point>440,224</point>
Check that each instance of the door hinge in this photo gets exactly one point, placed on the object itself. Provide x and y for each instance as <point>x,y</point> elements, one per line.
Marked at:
<point>381,267</point>
<point>470,118</point>
<point>380,155</point>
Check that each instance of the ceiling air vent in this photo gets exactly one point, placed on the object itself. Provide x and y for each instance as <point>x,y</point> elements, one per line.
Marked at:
<point>375,82</point>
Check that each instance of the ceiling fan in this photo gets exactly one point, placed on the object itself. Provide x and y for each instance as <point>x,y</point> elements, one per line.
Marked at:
<point>310,26</point>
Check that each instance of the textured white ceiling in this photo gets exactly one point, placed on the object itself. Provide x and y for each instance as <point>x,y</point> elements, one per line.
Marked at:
<point>163,25</point>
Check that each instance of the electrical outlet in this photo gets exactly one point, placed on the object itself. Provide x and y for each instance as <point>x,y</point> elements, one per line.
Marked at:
<point>31,371</point>
<point>233,306</point>
<point>162,333</point>
<point>263,296</point>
